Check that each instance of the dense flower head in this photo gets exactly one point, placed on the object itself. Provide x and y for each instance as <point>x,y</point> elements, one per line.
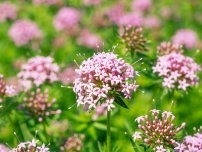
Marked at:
<point>186,37</point>
<point>38,70</point>
<point>7,11</point>
<point>177,71</point>
<point>30,146</point>
<point>73,143</point>
<point>191,144</point>
<point>115,13</point>
<point>102,77</point>
<point>142,5</point>
<point>133,38</point>
<point>47,2</point>
<point>89,39</point>
<point>24,31</point>
<point>92,2</point>
<point>168,47</point>
<point>5,89</point>
<point>132,18</point>
<point>158,130</point>
<point>38,104</point>
<point>66,19</point>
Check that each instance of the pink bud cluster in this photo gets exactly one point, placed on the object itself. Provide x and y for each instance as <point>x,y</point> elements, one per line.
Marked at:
<point>6,90</point>
<point>168,47</point>
<point>30,146</point>
<point>177,70</point>
<point>7,11</point>
<point>66,19</point>
<point>158,130</point>
<point>191,144</point>
<point>37,70</point>
<point>101,78</point>
<point>24,31</point>
<point>38,105</point>
<point>73,143</point>
<point>186,37</point>
<point>89,39</point>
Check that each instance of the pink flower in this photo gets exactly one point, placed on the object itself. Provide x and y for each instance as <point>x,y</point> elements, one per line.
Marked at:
<point>177,70</point>
<point>66,19</point>
<point>101,78</point>
<point>68,75</point>
<point>142,5</point>
<point>48,2</point>
<point>24,31</point>
<point>38,70</point>
<point>92,2</point>
<point>152,22</point>
<point>3,148</point>
<point>7,11</point>
<point>186,37</point>
<point>89,39</point>
<point>115,13</point>
<point>133,18</point>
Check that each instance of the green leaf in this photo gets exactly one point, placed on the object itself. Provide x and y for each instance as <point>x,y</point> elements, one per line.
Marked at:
<point>120,102</point>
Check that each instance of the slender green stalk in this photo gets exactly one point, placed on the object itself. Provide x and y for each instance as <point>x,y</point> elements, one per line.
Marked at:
<point>108,132</point>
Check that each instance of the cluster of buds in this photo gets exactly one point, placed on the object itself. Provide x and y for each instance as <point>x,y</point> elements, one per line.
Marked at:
<point>5,90</point>
<point>30,146</point>
<point>158,130</point>
<point>133,38</point>
<point>38,105</point>
<point>191,143</point>
<point>177,70</point>
<point>73,143</point>
<point>168,47</point>
<point>101,78</point>
<point>38,70</point>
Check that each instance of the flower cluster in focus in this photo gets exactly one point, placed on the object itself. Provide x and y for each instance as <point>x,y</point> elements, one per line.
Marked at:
<point>37,104</point>
<point>158,130</point>
<point>101,78</point>
<point>37,70</point>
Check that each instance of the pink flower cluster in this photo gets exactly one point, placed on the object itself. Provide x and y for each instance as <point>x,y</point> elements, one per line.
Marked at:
<point>89,39</point>
<point>191,144</point>
<point>5,90</point>
<point>38,70</point>
<point>177,70</point>
<point>102,77</point>
<point>152,22</point>
<point>24,31</point>
<point>48,2</point>
<point>73,143</point>
<point>186,37</point>
<point>38,105</point>
<point>158,130</point>
<point>133,18</point>
<point>92,2</point>
<point>66,19</point>
<point>115,12</point>
<point>30,146</point>
<point>7,11</point>
<point>142,5</point>
<point>68,75</point>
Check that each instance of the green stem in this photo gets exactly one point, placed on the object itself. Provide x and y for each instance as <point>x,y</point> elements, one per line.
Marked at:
<point>108,132</point>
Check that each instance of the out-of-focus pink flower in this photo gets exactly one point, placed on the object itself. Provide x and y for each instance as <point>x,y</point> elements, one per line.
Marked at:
<point>68,75</point>
<point>141,5</point>
<point>24,31</point>
<point>89,39</point>
<point>101,78</point>
<point>3,148</point>
<point>99,111</point>
<point>92,2</point>
<point>7,11</point>
<point>133,18</point>
<point>115,13</point>
<point>186,37</point>
<point>177,71</point>
<point>38,70</point>
<point>152,22</point>
<point>47,2</point>
<point>66,19</point>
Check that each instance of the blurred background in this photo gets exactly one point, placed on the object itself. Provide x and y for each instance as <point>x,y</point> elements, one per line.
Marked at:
<point>70,31</point>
